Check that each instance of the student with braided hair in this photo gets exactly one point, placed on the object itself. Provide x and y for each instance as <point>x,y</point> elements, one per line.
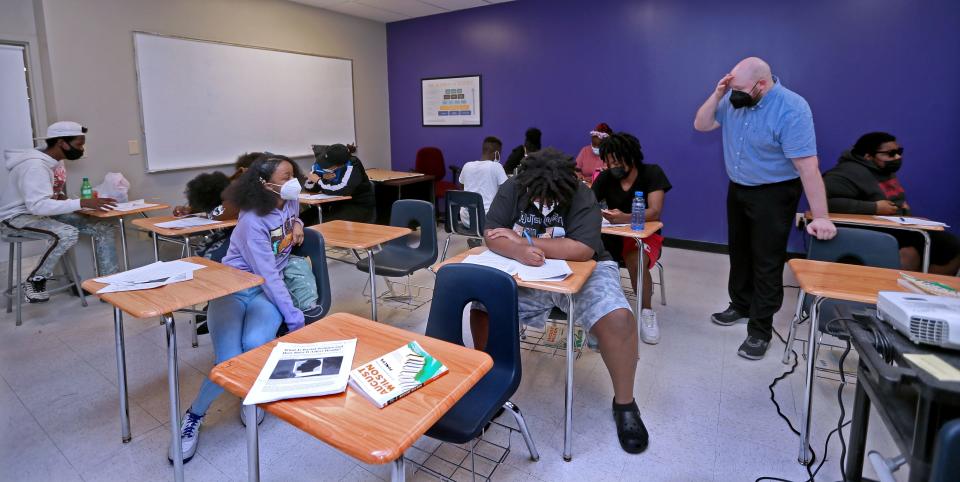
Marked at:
<point>625,174</point>
<point>546,212</point>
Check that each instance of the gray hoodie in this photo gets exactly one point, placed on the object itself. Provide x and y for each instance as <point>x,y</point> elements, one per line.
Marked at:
<point>29,188</point>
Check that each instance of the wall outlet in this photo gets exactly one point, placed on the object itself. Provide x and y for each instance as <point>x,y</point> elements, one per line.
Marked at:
<point>133,147</point>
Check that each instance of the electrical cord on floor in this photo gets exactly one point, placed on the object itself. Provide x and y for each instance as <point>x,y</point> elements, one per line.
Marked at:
<point>812,473</point>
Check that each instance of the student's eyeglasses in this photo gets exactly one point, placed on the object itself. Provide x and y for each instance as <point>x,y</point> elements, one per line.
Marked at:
<point>892,152</point>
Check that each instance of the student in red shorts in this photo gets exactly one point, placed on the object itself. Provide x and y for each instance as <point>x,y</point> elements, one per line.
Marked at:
<point>625,174</point>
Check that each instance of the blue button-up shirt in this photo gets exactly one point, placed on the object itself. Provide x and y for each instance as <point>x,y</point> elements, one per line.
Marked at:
<point>760,141</point>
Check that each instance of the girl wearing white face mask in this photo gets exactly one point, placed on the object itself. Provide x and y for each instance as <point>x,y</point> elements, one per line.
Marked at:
<point>589,163</point>
<point>262,244</point>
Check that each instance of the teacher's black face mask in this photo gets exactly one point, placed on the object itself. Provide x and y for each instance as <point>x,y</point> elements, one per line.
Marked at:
<point>739,98</point>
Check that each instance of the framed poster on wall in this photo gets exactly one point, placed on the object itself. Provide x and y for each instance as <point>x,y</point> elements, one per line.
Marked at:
<point>451,101</point>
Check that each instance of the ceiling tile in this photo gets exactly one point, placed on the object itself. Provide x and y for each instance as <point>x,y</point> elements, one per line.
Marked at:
<point>364,11</point>
<point>455,4</point>
<point>409,8</point>
<point>322,3</point>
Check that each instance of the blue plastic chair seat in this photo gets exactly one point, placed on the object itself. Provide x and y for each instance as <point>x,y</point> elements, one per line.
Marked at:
<point>394,261</point>
<point>470,415</point>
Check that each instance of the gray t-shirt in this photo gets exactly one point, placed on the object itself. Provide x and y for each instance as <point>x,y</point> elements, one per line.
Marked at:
<point>579,221</point>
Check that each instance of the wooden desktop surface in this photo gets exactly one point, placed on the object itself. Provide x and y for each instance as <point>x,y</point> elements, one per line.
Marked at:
<point>381,175</point>
<point>650,227</point>
<point>115,214</point>
<point>150,224</point>
<point>851,282</point>
<point>572,284</point>
<point>209,283</point>
<point>315,202</point>
<point>348,421</point>
<point>870,220</point>
<point>354,235</point>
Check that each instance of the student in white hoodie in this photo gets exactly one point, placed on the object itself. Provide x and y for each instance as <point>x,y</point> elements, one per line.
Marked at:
<point>34,204</point>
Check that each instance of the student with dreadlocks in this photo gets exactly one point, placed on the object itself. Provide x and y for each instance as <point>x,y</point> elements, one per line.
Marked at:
<point>625,174</point>
<point>547,202</point>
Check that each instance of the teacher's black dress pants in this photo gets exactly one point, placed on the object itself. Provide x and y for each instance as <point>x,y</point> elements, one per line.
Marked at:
<point>759,219</point>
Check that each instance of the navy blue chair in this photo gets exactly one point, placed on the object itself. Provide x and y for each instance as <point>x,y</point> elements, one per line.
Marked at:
<point>397,258</point>
<point>314,248</point>
<point>473,203</point>
<point>852,246</point>
<point>458,285</point>
<point>946,464</point>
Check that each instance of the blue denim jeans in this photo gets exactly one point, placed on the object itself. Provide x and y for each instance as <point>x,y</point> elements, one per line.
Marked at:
<point>238,323</point>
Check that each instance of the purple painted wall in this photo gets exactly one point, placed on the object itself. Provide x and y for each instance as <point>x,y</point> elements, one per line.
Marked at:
<point>645,67</point>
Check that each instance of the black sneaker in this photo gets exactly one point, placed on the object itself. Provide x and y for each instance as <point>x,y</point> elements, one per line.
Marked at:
<point>727,317</point>
<point>630,429</point>
<point>474,242</point>
<point>753,348</point>
<point>35,290</point>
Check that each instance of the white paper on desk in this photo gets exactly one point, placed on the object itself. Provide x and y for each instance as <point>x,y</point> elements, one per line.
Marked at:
<point>608,224</point>
<point>551,270</point>
<point>146,285</point>
<point>188,222</point>
<point>317,196</point>
<point>150,272</point>
<point>296,370</point>
<point>494,260</point>
<point>911,221</point>
<point>130,206</point>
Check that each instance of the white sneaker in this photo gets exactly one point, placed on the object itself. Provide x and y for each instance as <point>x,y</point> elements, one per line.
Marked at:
<point>649,328</point>
<point>189,437</point>
<point>260,416</point>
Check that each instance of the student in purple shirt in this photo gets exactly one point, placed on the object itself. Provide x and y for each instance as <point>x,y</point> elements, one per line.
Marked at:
<point>267,230</point>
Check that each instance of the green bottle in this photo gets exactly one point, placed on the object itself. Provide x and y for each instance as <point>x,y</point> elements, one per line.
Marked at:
<point>86,190</point>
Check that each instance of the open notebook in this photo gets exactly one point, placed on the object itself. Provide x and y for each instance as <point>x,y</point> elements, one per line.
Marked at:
<point>552,269</point>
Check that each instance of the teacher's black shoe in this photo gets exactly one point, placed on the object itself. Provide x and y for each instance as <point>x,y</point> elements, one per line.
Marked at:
<point>630,429</point>
<point>727,317</point>
<point>753,348</point>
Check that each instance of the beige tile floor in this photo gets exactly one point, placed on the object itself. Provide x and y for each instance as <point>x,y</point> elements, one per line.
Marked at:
<point>708,411</point>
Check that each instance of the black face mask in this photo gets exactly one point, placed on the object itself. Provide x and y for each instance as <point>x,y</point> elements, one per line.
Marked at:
<point>739,98</point>
<point>891,167</point>
<point>618,173</point>
<point>73,153</point>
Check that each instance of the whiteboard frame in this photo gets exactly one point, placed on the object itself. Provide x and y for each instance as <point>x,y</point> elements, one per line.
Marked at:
<point>143,127</point>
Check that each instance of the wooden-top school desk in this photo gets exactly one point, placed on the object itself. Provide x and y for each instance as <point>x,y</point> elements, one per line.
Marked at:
<point>569,286</point>
<point>397,179</point>
<point>843,282</point>
<point>307,200</point>
<point>118,215</point>
<point>213,281</point>
<point>874,222</point>
<point>649,228</point>
<point>159,233</point>
<point>348,421</point>
<point>354,235</point>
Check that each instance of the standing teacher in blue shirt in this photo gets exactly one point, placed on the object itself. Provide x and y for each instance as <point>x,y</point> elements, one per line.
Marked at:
<point>770,152</point>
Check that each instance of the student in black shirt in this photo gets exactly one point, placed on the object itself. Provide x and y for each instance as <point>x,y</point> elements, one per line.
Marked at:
<point>531,143</point>
<point>547,202</point>
<point>337,172</point>
<point>625,174</point>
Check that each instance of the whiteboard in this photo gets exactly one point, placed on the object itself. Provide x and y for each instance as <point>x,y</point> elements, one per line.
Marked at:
<point>204,103</point>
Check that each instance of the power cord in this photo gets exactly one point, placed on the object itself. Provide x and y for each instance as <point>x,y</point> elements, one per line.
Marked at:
<point>812,473</point>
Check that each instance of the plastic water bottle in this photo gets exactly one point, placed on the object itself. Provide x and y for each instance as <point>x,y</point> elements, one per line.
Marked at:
<point>86,191</point>
<point>638,212</point>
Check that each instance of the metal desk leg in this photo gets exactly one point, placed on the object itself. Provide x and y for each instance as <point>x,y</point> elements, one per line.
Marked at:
<point>858,434</point>
<point>807,407</point>
<point>156,247</point>
<point>926,251</point>
<point>186,246</point>
<point>93,250</point>
<point>253,450</point>
<point>123,244</point>
<point>568,394</point>
<point>793,328</point>
<point>397,473</point>
<point>639,287</point>
<point>373,285</point>
<point>174,389</point>
<point>121,375</point>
